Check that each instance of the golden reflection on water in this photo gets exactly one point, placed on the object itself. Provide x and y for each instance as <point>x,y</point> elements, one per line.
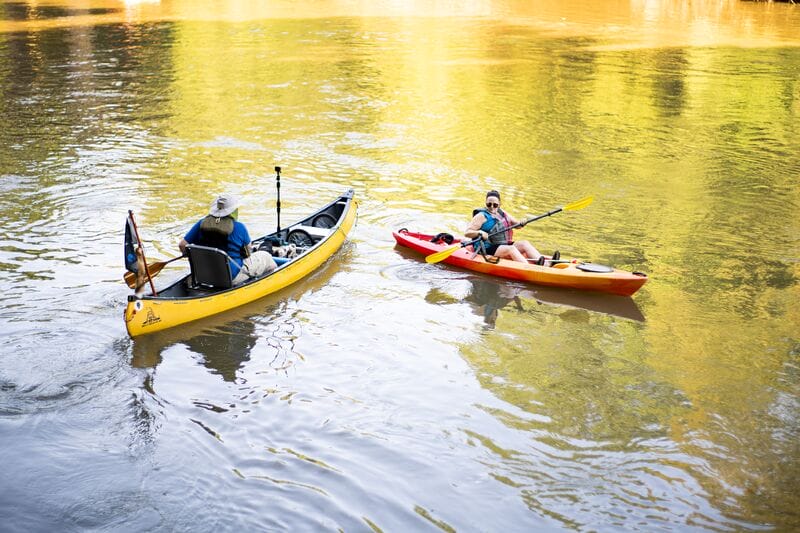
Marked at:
<point>634,24</point>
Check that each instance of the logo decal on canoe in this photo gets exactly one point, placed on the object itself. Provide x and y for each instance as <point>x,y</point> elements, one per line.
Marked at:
<point>151,319</point>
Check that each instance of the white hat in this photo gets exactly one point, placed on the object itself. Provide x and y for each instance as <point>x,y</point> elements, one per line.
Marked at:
<point>224,205</point>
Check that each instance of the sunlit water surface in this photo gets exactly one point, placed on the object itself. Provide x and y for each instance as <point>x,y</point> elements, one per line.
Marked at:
<point>385,393</point>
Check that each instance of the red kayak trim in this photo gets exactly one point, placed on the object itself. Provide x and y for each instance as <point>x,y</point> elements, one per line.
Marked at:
<point>565,274</point>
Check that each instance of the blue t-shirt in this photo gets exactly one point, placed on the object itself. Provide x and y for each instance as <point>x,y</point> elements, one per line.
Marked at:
<point>236,240</point>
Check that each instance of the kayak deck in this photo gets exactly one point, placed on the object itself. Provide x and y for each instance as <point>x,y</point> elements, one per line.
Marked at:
<point>573,275</point>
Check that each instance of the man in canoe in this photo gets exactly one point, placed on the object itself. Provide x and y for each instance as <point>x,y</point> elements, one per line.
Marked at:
<point>493,220</point>
<point>221,229</point>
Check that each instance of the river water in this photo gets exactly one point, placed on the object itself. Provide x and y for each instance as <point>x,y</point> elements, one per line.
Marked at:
<point>383,393</point>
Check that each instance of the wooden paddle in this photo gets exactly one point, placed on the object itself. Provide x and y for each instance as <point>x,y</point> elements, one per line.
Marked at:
<point>447,252</point>
<point>153,269</point>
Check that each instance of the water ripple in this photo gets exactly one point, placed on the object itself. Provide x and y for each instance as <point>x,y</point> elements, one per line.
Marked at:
<point>35,381</point>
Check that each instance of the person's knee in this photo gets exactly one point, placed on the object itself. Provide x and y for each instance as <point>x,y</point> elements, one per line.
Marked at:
<point>504,251</point>
<point>527,248</point>
<point>264,262</point>
<point>258,264</point>
<point>271,264</point>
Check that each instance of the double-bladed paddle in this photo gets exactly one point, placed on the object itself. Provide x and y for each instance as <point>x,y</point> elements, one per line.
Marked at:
<point>447,252</point>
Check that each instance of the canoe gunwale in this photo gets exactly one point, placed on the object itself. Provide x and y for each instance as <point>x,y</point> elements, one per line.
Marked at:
<point>147,313</point>
<point>347,197</point>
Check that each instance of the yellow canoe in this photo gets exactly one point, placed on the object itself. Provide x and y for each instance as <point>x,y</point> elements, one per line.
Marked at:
<point>318,237</point>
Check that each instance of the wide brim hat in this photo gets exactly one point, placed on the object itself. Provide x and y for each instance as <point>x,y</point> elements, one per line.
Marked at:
<point>224,205</point>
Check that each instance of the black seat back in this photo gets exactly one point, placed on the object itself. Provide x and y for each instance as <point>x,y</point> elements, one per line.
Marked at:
<point>210,267</point>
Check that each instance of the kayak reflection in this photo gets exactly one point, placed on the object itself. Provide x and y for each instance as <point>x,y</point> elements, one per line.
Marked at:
<point>487,297</point>
<point>609,304</point>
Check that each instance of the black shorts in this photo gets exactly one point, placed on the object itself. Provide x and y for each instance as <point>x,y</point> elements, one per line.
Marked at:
<point>491,248</point>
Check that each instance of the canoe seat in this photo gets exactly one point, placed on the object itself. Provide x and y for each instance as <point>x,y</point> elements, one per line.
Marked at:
<point>210,267</point>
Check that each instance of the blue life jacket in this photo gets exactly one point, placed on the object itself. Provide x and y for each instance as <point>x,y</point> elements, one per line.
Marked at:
<point>503,237</point>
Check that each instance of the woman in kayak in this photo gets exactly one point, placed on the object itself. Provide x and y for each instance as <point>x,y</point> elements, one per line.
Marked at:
<point>490,225</point>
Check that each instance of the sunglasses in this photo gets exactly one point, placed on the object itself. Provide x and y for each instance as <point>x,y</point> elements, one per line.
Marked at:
<point>492,204</point>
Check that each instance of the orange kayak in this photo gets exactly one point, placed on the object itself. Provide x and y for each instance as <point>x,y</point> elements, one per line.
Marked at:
<point>573,275</point>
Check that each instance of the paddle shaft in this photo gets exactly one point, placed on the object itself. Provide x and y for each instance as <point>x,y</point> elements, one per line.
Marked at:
<point>144,259</point>
<point>444,254</point>
<point>517,225</point>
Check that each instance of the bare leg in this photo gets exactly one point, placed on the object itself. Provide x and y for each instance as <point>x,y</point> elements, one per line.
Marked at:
<point>507,251</point>
<point>527,249</point>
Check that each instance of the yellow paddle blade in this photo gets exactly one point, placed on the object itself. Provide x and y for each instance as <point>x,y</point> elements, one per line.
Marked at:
<point>444,254</point>
<point>580,204</point>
